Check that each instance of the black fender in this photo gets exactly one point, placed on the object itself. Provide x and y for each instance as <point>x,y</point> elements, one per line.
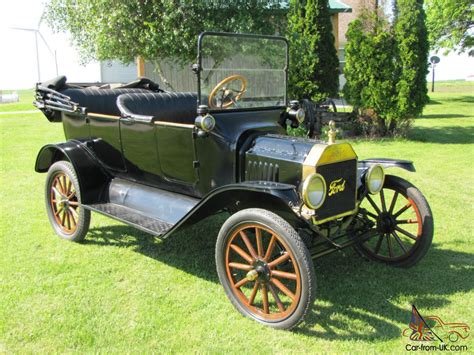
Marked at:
<point>388,163</point>
<point>93,178</point>
<point>278,198</point>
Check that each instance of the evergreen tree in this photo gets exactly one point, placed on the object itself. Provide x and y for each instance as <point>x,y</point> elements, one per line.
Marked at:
<point>413,48</point>
<point>314,68</point>
<point>386,66</point>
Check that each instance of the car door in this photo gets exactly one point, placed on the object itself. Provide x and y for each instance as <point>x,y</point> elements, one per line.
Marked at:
<point>139,149</point>
<point>177,153</point>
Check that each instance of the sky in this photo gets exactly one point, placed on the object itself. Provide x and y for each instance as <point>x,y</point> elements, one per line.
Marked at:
<point>18,65</point>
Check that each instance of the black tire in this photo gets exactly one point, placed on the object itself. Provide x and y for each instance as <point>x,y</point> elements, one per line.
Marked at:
<point>284,268</point>
<point>68,218</point>
<point>390,234</point>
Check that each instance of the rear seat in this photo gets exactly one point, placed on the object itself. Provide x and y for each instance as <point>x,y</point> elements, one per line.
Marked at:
<point>178,107</point>
<point>103,101</point>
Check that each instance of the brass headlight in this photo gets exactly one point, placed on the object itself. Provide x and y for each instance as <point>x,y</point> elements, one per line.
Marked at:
<point>314,191</point>
<point>374,179</point>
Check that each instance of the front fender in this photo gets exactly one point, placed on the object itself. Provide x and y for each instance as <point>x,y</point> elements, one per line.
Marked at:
<point>281,199</point>
<point>388,163</point>
<point>93,179</point>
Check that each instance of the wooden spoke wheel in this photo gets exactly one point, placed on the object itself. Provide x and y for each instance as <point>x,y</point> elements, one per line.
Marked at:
<point>265,268</point>
<point>403,224</point>
<point>68,218</point>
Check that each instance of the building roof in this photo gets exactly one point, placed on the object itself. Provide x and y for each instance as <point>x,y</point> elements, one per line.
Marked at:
<point>336,6</point>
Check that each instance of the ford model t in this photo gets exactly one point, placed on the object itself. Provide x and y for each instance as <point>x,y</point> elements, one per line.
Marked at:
<point>160,161</point>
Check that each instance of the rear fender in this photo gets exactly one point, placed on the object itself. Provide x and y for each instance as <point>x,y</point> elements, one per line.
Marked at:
<point>281,199</point>
<point>93,179</point>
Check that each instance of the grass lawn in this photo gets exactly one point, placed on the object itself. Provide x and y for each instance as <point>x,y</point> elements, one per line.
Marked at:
<point>26,98</point>
<point>123,291</point>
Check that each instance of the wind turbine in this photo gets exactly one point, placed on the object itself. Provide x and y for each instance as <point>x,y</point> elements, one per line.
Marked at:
<point>37,33</point>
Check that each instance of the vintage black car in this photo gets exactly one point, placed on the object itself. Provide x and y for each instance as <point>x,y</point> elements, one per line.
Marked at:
<point>160,161</point>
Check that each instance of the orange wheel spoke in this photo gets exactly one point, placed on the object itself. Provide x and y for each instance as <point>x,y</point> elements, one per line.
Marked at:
<point>254,293</point>
<point>242,253</point>
<point>406,221</point>
<point>69,186</point>
<point>58,211</point>
<point>258,236</point>
<point>271,245</point>
<point>71,195</point>
<point>285,275</point>
<point>73,203</point>
<point>68,219</point>
<point>64,184</point>
<point>241,266</point>
<point>283,289</point>
<point>279,260</point>
<point>266,308</point>
<point>56,191</point>
<point>63,219</point>
<point>242,282</point>
<point>73,215</point>
<point>248,244</point>
<point>277,299</point>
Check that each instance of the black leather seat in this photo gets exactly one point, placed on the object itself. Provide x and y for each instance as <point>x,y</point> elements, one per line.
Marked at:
<point>97,100</point>
<point>178,107</point>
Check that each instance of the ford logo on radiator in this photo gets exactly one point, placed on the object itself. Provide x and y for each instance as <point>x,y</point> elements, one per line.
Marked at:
<point>336,186</point>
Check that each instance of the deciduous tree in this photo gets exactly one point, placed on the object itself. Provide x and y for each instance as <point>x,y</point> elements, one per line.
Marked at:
<point>451,24</point>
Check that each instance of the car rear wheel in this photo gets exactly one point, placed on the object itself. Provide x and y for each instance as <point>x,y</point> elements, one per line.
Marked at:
<point>68,218</point>
<point>265,268</point>
<point>403,223</point>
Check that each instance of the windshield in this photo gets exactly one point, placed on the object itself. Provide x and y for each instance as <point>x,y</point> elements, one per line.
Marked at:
<point>242,71</point>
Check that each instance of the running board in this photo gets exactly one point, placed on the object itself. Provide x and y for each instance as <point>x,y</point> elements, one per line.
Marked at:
<point>144,207</point>
<point>131,217</point>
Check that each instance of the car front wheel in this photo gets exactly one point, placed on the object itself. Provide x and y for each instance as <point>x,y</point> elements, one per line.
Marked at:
<point>265,268</point>
<point>68,218</point>
<point>403,224</point>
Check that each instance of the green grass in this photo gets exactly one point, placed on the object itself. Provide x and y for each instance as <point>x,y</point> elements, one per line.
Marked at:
<point>25,102</point>
<point>124,291</point>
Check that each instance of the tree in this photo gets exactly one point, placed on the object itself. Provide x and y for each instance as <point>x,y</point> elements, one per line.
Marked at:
<point>412,58</point>
<point>370,70</point>
<point>314,67</point>
<point>123,30</point>
<point>386,66</point>
<point>450,24</point>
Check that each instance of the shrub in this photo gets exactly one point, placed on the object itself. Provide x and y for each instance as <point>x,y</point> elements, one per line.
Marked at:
<point>314,68</point>
<point>386,67</point>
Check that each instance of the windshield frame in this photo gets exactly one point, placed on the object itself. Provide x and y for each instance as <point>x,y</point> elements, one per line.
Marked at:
<point>242,35</point>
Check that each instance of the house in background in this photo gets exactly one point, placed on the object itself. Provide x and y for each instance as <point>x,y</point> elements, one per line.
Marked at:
<point>181,78</point>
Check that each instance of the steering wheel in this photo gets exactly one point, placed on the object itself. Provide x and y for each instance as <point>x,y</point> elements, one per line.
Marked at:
<point>223,95</point>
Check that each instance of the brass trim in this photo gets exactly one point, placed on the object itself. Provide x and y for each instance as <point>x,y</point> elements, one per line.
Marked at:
<point>173,124</point>
<point>103,115</point>
<point>304,191</point>
<point>348,213</point>
<point>367,174</point>
<point>321,154</point>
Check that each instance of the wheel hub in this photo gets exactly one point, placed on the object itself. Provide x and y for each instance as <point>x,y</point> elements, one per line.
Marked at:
<point>385,223</point>
<point>260,271</point>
